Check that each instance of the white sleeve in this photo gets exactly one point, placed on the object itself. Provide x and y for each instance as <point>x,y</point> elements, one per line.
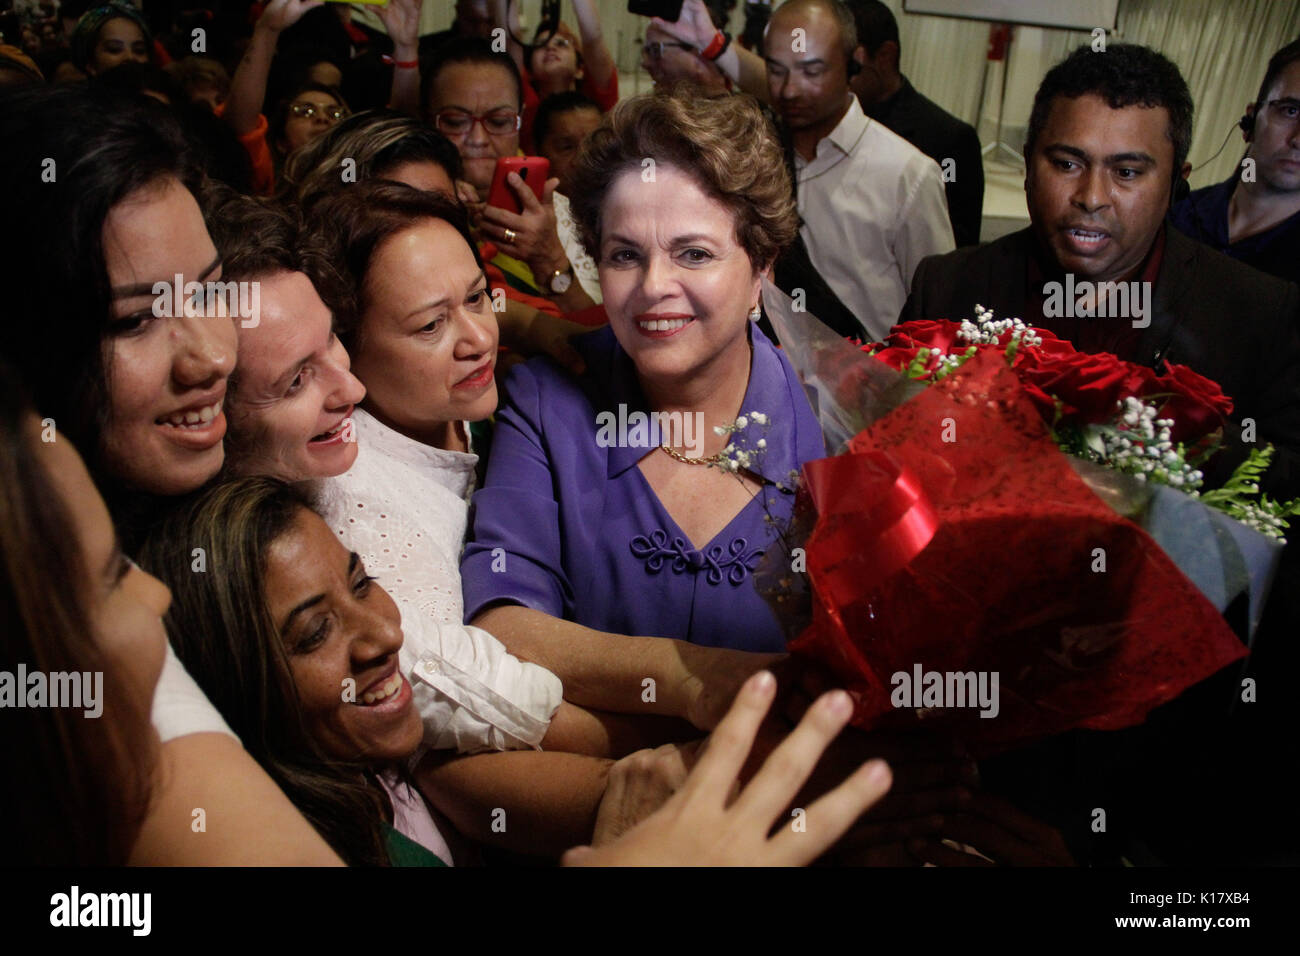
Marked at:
<point>180,707</point>
<point>584,267</point>
<point>924,227</point>
<point>472,693</point>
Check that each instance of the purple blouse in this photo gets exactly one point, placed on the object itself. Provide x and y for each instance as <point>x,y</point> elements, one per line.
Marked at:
<point>583,537</point>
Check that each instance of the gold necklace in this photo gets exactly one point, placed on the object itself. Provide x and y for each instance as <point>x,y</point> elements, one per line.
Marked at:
<point>713,459</point>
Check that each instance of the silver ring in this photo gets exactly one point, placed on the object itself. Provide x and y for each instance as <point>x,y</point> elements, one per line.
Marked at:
<point>510,236</point>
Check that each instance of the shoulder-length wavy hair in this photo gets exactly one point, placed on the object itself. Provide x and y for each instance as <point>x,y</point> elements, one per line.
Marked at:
<point>76,789</point>
<point>222,631</point>
<point>724,143</point>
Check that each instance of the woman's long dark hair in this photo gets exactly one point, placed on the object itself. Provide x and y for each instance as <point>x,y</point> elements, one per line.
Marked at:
<point>224,634</point>
<point>76,788</point>
<point>69,156</point>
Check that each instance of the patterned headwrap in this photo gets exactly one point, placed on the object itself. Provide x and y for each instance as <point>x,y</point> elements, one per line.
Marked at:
<point>86,33</point>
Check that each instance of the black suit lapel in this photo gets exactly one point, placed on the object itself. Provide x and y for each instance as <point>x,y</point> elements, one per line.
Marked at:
<point>1008,274</point>
<point>1168,298</point>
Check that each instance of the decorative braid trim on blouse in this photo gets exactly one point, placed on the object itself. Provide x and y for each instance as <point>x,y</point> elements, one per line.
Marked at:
<point>734,561</point>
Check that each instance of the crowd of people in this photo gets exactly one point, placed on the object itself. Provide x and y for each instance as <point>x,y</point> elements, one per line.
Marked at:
<point>300,441</point>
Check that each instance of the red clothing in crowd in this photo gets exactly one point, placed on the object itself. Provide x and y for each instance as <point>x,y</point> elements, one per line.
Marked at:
<point>603,96</point>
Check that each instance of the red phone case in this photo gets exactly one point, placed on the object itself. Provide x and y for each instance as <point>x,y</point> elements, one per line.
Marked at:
<point>533,169</point>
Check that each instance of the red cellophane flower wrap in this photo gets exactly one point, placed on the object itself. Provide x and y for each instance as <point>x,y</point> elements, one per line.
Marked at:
<point>953,536</point>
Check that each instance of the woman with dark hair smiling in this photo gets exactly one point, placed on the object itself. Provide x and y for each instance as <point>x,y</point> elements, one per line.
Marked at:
<point>104,188</point>
<point>298,650</point>
<point>296,618</point>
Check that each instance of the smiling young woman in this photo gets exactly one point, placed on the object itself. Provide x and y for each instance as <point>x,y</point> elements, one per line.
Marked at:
<point>295,646</point>
<point>105,185</point>
<point>292,402</point>
<point>105,189</point>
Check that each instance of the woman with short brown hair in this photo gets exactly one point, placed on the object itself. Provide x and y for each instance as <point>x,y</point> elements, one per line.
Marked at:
<point>607,554</point>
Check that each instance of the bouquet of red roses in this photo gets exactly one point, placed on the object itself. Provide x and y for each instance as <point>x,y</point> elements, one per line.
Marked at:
<point>962,569</point>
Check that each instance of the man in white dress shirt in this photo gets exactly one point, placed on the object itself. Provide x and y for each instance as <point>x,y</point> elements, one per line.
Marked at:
<point>872,204</point>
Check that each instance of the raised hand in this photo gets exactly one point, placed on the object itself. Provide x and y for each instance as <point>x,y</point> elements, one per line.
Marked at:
<point>281,14</point>
<point>693,26</point>
<point>401,19</point>
<point>697,825</point>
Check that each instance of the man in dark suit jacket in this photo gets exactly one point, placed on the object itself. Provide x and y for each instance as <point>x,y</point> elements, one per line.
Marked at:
<point>1108,137</point>
<point>1229,322</point>
<point>1221,318</point>
<point>888,97</point>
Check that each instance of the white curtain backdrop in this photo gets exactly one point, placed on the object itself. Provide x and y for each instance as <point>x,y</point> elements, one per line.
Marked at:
<point>1221,46</point>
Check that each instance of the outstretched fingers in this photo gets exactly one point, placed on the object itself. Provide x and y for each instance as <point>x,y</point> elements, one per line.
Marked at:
<point>827,819</point>
<point>729,744</point>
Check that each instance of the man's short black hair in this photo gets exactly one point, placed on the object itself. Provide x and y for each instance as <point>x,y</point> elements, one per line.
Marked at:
<point>1126,74</point>
<point>554,105</point>
<point>876,24</point>
<point>459,50</point>
<point>1280,61</point>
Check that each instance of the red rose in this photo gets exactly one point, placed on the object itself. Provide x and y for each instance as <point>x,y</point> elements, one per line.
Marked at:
<point>928,333</point>
<point>896,357</point>
<point>1088,385</point>
<point>1197,405</point>
<point>1051,345</point>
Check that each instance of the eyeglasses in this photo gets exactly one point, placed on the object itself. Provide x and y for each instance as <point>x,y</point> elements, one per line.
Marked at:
<point>655,49</point>
<point>558,41</point>
<point>308,110</point>
<point>459,122</point>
